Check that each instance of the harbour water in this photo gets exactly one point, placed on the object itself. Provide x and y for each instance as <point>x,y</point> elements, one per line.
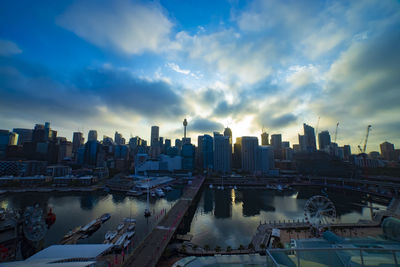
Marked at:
<point>223,217</point>
<point>230,217</point>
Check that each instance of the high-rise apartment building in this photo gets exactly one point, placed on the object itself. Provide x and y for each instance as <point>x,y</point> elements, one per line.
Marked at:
<point>249,153</point>
<point>92,135</point>
<point>264,139</point>
<point>276,143</point>
<point>309,136</point>
<point>77,141</point>
<point>24,135</point>
<point>324,140</point>
<point>154,142</point>
<point>387,151</point>
<point>118,138</point>
<point>222,154</point>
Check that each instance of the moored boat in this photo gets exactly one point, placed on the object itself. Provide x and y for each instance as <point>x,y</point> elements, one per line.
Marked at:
<point>105,217</point>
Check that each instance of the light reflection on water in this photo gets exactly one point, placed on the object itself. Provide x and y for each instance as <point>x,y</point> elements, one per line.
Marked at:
<point>223,217</point>
<point>230,217</point>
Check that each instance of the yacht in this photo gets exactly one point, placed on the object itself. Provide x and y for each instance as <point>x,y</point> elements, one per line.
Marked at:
<point>120,226</point>
<point>129,220</point>
<point>131,226</point>
<point>134,193</point>
<point>159,192</point>
<point>130,234</point>
<point>153,194</point>
<point>105,217</point>
<point>110,235</point>
<point>168,188</point>
<point>210,186</point>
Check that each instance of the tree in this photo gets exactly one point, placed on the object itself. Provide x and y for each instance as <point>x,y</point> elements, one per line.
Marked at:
<point>195,247</point>
<point>217,248</point>
<point>251,246</point>
<point>206,247</point>
<point>262,246</point>
<point>228,249</point>
<point>241,247</point>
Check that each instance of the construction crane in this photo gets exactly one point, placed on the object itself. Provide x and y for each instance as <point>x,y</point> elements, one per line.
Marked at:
<point>337,125</point>
<point>316,130</point>
<point>364,148</point>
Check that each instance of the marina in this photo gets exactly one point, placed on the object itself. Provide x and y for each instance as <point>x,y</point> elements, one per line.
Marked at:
<point>82,232</point>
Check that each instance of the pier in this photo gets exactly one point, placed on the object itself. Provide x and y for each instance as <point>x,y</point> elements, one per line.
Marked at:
<point>148,252</point>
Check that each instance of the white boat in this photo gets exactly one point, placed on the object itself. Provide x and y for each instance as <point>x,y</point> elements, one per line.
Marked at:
<point>130,234</point>
<point>134,193</point>
<point>126,243</point>
<point>129,220</point>
<point>159,192</point>
<point>210,186</point>
<point>120,240</point>
<point>131,226</point>
<point>168,188</point>
<point>105,217</point>
<point>234,187</point>
<point>120,226</point>
<point>110,235</point>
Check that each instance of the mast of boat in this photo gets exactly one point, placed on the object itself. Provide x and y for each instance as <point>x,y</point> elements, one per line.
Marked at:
<point>147,212</point>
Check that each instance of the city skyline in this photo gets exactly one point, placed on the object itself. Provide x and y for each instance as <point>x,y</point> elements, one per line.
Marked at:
<point>245,65</point>
<point>94,135</point>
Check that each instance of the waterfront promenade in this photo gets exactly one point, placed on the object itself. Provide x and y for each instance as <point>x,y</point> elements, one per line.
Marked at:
<point>148,252</point>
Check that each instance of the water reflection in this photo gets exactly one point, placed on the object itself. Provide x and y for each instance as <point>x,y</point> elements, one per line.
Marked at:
<point>76,209</point>
<point>237,213</point>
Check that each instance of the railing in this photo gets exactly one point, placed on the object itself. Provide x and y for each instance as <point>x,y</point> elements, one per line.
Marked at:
<point>342,256</point>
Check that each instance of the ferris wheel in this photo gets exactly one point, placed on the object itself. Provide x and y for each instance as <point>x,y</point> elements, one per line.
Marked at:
<point>319,212</point>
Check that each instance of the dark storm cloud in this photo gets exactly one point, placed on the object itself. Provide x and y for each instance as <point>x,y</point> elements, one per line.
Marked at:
<point>366,79</point>
<point>32,91</point>
<point>120,89</point>
<point>204,125</point>
<point>276,122</point>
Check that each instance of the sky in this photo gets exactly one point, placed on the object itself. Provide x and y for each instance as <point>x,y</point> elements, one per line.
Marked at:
<point>249,65</point>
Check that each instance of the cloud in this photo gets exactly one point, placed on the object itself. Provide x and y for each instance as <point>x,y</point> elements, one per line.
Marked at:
<point>229,55</point>
<point>175,67</point>
<point>129,27</point>
<point>8,48</point>
<point>119,89</point>
<point>104,96</point>
<point>277,122</point>
<point>363,88</point>
<point>203,125</point>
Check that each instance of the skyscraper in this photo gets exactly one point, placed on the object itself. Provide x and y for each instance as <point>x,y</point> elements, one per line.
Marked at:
<point>249,153</point>
<point>264,139</point>
<point>92,135</point>
<point>77,141</point>
<point>265,159</point>
<point>222,154</point>
<point>24,135</point>
<point>387,151</point>
<point>237,153</point>
<point>276,143</point>
<point>154,142</point>
<point>324,140</point>
<point>228,132</point>
<point>309,136</point>
<point>207,148</point>
<point>154,135</point>
<point>118,138</point>
<point>302,143</point>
